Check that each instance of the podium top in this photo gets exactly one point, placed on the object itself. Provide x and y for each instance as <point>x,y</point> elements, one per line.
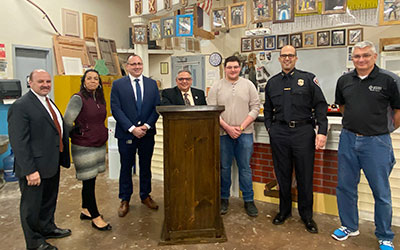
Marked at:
<point>183,108</point>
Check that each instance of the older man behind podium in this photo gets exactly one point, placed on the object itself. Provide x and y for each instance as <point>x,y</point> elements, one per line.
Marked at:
<point>183,93</point>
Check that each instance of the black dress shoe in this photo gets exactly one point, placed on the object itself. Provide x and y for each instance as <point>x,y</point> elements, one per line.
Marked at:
<point>280,219</point>
<point>85,217</point>
<point>311,226</point>
<point>58,233</point>
<point>44,246</point>
<point>105,228</point>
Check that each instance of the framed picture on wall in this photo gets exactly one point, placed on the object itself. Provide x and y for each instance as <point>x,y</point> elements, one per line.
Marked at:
<point>140,34</point>
<point>334,6</point>
<point>389,12</point>
<point>270,42</point>
<point>323,38</point>
<point>258,43</point>
<point>261,11</point>
<point>296,40</point>
<point>154,30</point>
<point>168,27</point>
<point>354,36</point>
<point>246,45</point>
<point>184,25</point>
<point>306,6</point>
<point>309,39</point>
<point>338,37</point>
<point>219,19</point>
<point>282,40</point>
<point>164,68</point>
<point>283,11</point>
<point>237,15</point>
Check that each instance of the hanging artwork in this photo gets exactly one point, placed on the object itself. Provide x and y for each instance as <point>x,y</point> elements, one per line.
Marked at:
<point>261,11</point>
<point>140,34</point>
<point>334,6</point>
<point>168,27</point>
<point>338,37</point>
<point>152,6</point>
<point>296,40</point>
<point>154,30</point>
<point>283,11</point>
<point>282,40</point>
<point>246,45</point>
<point>270,42</point>
<point>389,12</point>
<point>237,15</point>
<point>184,25</point>
<point>354,36</point>
<point>306,6</point>
<point>138,7</point>
<point>323,38</point>
<point>258,43</point>
<point>219,19</point>
<point>184,3</point>
<point>168,4</point>
<point>309,39</point>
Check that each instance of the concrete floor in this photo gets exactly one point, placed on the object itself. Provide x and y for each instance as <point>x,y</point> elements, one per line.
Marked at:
<point>141,228</point>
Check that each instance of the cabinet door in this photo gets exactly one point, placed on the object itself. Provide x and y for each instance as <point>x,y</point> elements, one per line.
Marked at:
<point>70,22</point>
<point>89,26</point>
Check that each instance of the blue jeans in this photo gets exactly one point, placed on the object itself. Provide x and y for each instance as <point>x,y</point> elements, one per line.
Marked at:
<point>374,155</point>
<point>242,149</point>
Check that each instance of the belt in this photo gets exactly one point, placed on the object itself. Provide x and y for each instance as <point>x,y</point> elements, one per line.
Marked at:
<point>293,124</point>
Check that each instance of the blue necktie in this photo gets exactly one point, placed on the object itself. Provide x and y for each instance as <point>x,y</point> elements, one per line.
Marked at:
<point>138,96</point>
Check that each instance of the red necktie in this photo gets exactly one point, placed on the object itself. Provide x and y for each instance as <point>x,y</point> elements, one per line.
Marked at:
<point>53,114</point>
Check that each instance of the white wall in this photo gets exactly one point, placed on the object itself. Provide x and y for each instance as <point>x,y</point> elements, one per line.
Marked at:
<point>22,24</point>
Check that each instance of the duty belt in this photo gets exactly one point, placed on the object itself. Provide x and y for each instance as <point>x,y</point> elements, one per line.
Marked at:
<point>293,124</point>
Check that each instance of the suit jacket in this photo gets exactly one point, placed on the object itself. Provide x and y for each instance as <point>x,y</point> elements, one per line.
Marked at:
<point>173,96</point>
<point>123,106</point>
<point>34,138</point>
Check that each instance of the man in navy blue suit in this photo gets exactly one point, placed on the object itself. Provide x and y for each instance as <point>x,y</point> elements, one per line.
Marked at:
<point>133,104</point>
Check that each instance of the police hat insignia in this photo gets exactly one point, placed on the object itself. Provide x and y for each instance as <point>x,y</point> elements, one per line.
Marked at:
<point>300,82</point>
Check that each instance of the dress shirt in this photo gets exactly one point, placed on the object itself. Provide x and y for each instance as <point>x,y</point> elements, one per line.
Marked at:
<point>42,99</point>
<point>141,84</point>
<point>189,96</point>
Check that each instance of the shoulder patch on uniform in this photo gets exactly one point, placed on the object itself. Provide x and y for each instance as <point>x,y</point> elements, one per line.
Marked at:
<point>315,80</point>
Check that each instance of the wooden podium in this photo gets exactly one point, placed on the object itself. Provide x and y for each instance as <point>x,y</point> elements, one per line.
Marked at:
<point>191,175</point>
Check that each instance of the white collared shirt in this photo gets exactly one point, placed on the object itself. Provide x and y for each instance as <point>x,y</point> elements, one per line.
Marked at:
<point>133,83</point>
<point>141,84</point>
<point>189,96</point>
<point>42,99</point>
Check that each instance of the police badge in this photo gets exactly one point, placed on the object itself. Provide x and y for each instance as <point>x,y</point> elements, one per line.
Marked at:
<point>300,82</point>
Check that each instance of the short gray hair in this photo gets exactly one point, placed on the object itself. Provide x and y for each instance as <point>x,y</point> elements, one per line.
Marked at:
<point>364,44</point>
<point>183,70</point>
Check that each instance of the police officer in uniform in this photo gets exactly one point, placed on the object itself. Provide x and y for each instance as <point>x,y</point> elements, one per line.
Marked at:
<point>294,103</point>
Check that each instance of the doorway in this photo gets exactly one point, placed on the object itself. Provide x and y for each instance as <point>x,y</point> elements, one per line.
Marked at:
<point>26,59</point>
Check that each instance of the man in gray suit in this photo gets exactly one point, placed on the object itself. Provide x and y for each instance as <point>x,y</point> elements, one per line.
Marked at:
<point>40,145</point>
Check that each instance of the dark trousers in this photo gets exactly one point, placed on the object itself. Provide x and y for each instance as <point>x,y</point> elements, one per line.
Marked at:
<point>89,197</point>
<point>37,207</point>
<point>127,151</point>
<point>294,147</point>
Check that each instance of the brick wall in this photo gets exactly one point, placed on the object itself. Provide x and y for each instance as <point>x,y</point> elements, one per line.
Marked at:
<point>325,168</point>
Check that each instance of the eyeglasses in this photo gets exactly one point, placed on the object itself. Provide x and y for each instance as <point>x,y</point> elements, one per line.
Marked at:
<point>184,79</point>
<point>290,56</point>
<point>232,67</point>
<point>357,57</point>
<point>135,64</point>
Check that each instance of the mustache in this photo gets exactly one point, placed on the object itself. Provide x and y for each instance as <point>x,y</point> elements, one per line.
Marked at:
<point>42,88</point>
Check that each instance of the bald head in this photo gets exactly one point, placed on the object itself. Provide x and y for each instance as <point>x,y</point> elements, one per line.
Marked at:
<point>31,75</point>
<point>288,58</point>
<point>40,82</point>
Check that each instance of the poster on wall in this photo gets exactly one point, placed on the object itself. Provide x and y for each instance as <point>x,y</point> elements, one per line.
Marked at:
<point>2,51</point>
<point>283,11</point>
<point>389,12</point>
<point>261,11</point>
